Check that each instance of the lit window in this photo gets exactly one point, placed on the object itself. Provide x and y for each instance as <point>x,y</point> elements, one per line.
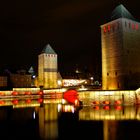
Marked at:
<point>109,28</point>
<point>104,29</point>
<point>133,26</point>
<point>136,26</point>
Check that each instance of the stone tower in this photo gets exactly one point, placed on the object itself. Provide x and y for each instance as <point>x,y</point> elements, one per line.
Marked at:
<point>120,40</point>
<point>47,68</point>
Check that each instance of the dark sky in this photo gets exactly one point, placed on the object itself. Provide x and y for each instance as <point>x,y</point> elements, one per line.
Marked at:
<point>71,27</point>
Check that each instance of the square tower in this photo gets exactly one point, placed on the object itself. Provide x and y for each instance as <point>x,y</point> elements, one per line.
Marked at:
<point>120,40</point>
<point>47,68</point>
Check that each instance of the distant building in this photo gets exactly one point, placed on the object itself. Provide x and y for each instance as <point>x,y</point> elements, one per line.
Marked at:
<point>120,39</point>
<point>3,81</point>
<point>47,68</point>
<point>20,79</point>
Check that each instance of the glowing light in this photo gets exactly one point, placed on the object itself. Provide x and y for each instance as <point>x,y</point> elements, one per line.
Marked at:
<point>34,115</point>
<point>40,100</point>
<point>15,102</point>
<point>14,93</point>
<point>59,107</point>
<point>118,107</point>
<point>2,102</point>
<point>106,107</point>
<point>104,29</point>
<point>27,93</point>
<point>96,107</point>
<point>28,101</point>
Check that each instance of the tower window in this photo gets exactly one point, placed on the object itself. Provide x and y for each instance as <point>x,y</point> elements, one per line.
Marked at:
<point>136,26</point>
<point>116,73</point>
<point>109,28</point>
<point>107,74</point>
<point>133,26</point>
<point>104,29</point>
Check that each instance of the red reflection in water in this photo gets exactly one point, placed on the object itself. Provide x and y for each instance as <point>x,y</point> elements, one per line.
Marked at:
<point>40,100</point>
<point>118,107</point>
<point>40,92</point>
<point>118,102</point>
<point>28,101</point>
<point>106,107</point>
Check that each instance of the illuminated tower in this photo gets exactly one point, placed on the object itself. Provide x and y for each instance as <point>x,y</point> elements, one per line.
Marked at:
<point>47,68</point>
<point>120,39</point>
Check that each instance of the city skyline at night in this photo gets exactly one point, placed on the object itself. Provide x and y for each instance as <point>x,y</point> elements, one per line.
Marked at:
<point>71,28</point>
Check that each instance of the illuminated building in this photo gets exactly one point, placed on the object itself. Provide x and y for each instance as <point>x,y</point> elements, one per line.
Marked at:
<point>120,39</point>
<point>47,68</point>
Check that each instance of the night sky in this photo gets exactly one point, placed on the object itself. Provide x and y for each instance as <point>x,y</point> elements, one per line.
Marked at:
<point>71,27</point>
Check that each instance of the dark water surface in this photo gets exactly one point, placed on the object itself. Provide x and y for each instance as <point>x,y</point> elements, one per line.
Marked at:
<point>53,121</point>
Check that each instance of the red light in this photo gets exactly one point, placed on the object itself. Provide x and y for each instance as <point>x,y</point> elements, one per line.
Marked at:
<point>40,100</point>
<point>27,93</point>
<point>14,93</point>
<point>106,107</point>
<point>71,96</point>
<point>104,29</point>
<point>136,26</point>
<point>109,28</point>
<point>28,101</point>
<point>133,26</point>
<point>15,102</point>
<point>40,92</point>
<point>118,107</point>
<point>118,102</point>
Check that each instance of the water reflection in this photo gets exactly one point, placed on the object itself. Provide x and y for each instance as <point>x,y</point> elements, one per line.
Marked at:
<point>43,119</point>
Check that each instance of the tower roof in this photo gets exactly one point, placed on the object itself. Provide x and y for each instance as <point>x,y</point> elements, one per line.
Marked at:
<point>121,12</point>
<point>48,50</point>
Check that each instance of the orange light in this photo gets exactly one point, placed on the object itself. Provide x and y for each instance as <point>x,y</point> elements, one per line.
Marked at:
<point>96,102</point>
<point>106,102</point>
<point>1,93</point>
<point>96,107</point>
<point>2,102</point>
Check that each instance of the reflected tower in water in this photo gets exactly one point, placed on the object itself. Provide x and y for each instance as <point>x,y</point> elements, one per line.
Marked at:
<point>48,125</point>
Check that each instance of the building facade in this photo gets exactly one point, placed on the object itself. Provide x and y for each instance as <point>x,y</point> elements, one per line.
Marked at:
<point>120,40</point>
<point>47,68</point>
